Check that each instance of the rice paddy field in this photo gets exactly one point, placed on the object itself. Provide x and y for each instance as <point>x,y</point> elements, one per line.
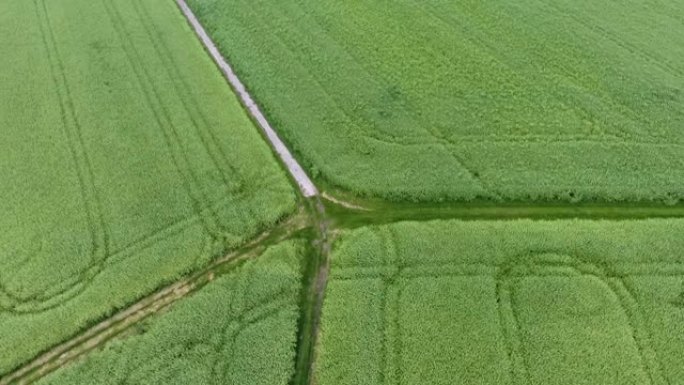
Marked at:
<point>459,100</point>
<point>249,339</point>
<point>466,192</point>
<point>125,161</point>
<point>517,302</point>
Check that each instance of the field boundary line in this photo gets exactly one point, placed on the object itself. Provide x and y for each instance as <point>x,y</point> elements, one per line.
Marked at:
<point>305,184</point>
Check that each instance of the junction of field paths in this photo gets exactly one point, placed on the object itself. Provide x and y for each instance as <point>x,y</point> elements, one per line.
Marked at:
<point>322,213</point>
<point>318,220</point>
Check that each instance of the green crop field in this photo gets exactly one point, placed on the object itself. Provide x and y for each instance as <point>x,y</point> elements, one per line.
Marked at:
<point>517,302</point>
<point>125,161</point>
<point>458,100</point>
<point>239,329</point>
<point>351,192</point>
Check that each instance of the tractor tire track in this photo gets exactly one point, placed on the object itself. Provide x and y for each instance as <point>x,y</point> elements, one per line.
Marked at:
<point>506,279</point>
<point>92,338</point>
<point>198,118</point>
<point>164,122</point>
<point>72,129</point>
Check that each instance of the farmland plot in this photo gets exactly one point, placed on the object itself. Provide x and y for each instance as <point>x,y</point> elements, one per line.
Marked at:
<point>458,100</point>
<point>239,329</point>
<point>125,161</point>
<point>519,302</point>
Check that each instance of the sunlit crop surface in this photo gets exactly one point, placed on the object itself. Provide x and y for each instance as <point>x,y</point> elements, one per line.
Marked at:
<point>456,100</point>
<point>125,161</point>
<point>519,302</point>
<point>239,329</point>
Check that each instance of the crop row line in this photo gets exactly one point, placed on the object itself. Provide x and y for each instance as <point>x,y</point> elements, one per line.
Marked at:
<point>77,283</point>
<point>626,300</point>
<point>391,350</point>
<point>410,108</point>
<point>597,29</point>
<point>207,137</point>
<point>506,61</point>
<point>165,123</point>
<point>235,327</point>
<point>115,258</point>
<point>84,171</point>
<point>370,79</point>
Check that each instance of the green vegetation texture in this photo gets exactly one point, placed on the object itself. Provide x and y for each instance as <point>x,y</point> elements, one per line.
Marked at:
<point>545,100</point>
<point>125,161</point>
<point>239,329</point>
<point>517,302</point>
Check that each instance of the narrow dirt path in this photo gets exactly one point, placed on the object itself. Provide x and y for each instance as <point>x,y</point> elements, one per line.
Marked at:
<point>313,293</point>
<point>305,184</point>
<point>122,321</point>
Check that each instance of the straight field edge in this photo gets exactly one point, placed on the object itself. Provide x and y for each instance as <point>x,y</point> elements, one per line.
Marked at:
<point>295,170</point>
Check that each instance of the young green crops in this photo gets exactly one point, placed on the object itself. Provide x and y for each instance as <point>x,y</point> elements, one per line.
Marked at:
<point>125,161</point>
<point>239,329</point>
<point>456,100</point>
<point>517,302</point>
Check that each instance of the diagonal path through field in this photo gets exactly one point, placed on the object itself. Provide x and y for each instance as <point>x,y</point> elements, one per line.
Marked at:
<point>125,319</point>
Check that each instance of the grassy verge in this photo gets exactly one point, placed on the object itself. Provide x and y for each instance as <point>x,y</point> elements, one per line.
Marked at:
<point>380,212</point>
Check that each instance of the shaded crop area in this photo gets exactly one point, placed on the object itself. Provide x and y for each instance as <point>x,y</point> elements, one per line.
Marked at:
<point>460,100</point>
<point>125,162</point>
<point>519,302</point>
<point>239,329</point>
